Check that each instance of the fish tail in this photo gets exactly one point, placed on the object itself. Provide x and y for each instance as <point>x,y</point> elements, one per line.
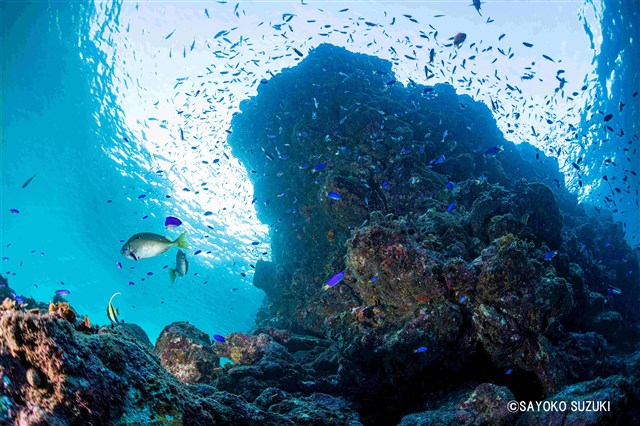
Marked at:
<point>172,275</point>
<point>181,241</point>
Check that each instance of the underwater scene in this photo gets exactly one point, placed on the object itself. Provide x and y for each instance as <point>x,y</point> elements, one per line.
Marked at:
<point>320,213</point>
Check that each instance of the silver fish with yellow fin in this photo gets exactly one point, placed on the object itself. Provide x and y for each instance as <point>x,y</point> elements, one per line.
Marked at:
<point>146,245</point>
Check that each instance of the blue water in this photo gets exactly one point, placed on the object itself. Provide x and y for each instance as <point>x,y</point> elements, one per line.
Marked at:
<point>67,235</point>
<point>107,103</point>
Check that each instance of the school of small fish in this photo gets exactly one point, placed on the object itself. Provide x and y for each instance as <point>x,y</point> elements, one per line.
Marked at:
<point>450,58</point>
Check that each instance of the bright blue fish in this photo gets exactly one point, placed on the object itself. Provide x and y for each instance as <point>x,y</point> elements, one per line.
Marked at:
<point>450,185</point>
<point>334,196</point>
<point>550,255</point>
<point>421,349</point>
<point>172,222</point>
<point>374,278</point>
<point>440,160</point>
<point>63,292</point>
<point>334,280</point>
<point>509,371</point>
<point>17,298</point>
<point>451,207</point>
<point>320,167</point>
<point>219,338</point>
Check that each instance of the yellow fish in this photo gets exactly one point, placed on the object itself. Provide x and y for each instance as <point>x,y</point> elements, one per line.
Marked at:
<point>112,312</point>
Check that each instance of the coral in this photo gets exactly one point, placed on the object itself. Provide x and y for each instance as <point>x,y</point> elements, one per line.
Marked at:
<point>441,246</point>
<point>185,352</point>
<point>54,374</point>
<point>487,405</point>
<point>62,310</point>
<point>469,280</point>
<point>619,393</point>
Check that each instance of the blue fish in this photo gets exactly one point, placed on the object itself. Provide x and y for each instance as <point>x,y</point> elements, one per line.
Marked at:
<point>334,196</point>
<point>550,255</point>
<point>374,278</point>
<point>509,371</point>
<point>611,290</point>
<point>463,299</point>
<point>451,207</point>
<point>334,280</point>
<point>320,167</point>
<point>304,166</point>
<point>219,338</point>
<point>493,150</point>
<point>421,349</point>
<point>440,160</point>
<point>450,185</point>
<point>63,292</point>
<point>444,135</point>
<point>384,184</point>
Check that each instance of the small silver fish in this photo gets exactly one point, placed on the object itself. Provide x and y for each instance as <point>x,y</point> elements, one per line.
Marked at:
<point>182,266</point>
<point>146,245</point>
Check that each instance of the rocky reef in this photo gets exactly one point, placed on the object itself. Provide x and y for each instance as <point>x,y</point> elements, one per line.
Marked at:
<point>425,271</point>
<point>57,371</point>
<point>466,262</point>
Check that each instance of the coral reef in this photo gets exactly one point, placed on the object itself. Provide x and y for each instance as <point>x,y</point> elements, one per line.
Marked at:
<point>419,276</point>
<point>478,256</point>
<point>55,371</point>
<point>186,353</point>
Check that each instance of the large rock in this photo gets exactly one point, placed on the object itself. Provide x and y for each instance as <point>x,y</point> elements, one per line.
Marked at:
<point>186,353</point>
<point>619,395</point>
<point>136,332</point>
<point>56,372</point>
<point>442,244</point>
<point>306,365</point>
<point>486,405</point>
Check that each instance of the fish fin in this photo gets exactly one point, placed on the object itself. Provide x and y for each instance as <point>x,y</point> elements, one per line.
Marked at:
<point>172,275</point>
<point>181,241</point>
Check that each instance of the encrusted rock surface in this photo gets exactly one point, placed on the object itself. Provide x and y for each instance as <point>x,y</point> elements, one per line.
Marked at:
<point>186,353</point>
<point>487,261</point>
<point>57,372</point>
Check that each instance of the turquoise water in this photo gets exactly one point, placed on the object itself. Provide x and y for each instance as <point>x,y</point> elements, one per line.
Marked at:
<point>106,104</point>
<point>66,231</point>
